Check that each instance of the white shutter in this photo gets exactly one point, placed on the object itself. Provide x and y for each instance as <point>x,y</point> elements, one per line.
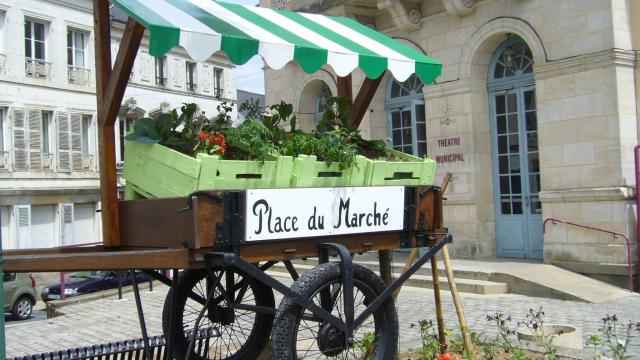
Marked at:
<point>76,141</point>
<point>19,140</point>
<point>64,143</point>
<point>66,224</point>
<point>22,216</point>
<point>35,139</point>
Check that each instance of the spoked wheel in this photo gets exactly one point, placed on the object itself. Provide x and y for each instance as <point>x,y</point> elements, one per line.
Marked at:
<point>298,334</point>
<point>228,329</point>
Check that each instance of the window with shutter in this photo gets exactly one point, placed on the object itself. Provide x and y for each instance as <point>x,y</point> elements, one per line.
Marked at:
<point>66,224</point>
<point>35,139</point>
<point>76,141</point>
<point>19,132</point>
<point>22,216</point>
<point>64,143</point>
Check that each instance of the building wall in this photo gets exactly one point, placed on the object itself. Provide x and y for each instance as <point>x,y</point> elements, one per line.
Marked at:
<point>586,97</point>
<point>46,205</point>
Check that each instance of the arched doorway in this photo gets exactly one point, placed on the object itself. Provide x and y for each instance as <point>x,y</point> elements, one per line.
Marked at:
<point>406,117</point>
<point>321,100</point>
<point>516,164</point>
<point>311,103</point>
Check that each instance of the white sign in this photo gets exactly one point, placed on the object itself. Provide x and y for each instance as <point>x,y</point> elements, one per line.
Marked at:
<point>273,214</point>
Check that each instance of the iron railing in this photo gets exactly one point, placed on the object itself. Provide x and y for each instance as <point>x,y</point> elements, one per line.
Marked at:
<point>615,235</point>
<point>37,68</point>
<point>79,76</point>
<point>120,350</point>
<point>218,92</point>
<point>191,86</point>
<point>161,81</point>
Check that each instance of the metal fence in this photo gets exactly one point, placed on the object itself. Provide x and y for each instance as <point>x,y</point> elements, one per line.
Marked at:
<point>120,350</point>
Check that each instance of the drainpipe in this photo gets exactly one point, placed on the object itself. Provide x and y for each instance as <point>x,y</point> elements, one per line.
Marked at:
<point>2,351</point>
<point>636,155</point>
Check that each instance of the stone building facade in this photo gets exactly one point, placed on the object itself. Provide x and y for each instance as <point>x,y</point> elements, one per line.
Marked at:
<point>49,175</point>
<point>535,115</point>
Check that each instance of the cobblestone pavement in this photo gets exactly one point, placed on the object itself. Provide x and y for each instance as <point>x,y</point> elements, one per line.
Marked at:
<point>109,319</point>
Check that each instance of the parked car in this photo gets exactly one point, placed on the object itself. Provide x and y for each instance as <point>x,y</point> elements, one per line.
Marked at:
<point>19,294</point>
<point>86,282</point>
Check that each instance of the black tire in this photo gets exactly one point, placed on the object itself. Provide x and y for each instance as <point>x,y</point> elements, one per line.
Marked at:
<point>295,338</point>
<point>22,308</point>
<point>243,338</point>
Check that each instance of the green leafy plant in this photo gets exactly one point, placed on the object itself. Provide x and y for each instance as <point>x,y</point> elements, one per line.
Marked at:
<point>534,322</point>
<point>366,344</point>
<point>503,338</point>
<point>614,338</point>
<point>251,140</point>
<point>429,337</point>
<point>251,107</point>
<point>178,132</point>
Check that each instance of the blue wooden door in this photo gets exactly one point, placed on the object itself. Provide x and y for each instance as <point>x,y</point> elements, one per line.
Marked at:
<point>516,173</point>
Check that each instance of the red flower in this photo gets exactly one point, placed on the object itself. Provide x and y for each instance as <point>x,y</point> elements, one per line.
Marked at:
<point>449,356</point>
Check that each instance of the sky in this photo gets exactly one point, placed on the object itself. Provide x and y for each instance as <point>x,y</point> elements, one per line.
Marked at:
<point>250,76</point>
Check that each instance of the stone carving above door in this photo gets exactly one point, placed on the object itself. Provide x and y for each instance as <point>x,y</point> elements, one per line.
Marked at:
<point>403,17</point>
<point>459,7</point>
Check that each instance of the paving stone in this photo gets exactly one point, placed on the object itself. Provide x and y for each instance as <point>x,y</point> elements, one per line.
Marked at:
<point>107,320</point>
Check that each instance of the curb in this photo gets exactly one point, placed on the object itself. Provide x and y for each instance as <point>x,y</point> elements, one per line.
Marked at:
<point>54,305</point>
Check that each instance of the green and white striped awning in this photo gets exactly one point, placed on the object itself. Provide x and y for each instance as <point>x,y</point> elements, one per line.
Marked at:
<point>203,27</point>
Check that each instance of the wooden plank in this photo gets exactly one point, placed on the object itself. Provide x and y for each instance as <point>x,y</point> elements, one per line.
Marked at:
<point>117,84</point>
<point>308,247</point>
<point>56,250</point>
<point>107,260</point>
<point>155,223</point>
<point>363,99</point>
<point>210,213</point>
<point>109,97</point>
<point>345,89</point>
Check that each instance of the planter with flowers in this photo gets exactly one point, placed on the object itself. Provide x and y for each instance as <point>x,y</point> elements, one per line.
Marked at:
<point>175,155</point>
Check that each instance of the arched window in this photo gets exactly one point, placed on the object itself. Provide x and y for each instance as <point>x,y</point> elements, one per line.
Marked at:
<point>321,99</point>
<point>406,116</point>
<point>516,162</point>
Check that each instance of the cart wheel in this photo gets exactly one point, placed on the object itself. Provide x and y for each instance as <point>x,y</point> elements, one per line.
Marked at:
<point>299,335</point>
<point>224,332</point>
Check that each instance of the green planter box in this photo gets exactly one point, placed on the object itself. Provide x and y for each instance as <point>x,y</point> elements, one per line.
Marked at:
<point>309,172</point>
<point>411,171</point>
<point>157,171</point>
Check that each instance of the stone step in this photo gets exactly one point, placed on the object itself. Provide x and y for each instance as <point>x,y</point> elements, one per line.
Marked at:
<point>472,286</point>
<point>424,270</point>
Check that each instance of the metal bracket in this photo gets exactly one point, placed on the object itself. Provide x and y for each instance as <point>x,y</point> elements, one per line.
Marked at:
<point>409,218</point>
<point>230,232</point>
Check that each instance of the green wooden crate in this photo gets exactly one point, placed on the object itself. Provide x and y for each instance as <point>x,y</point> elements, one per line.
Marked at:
<point>309,172</point>
<point>411,171</point>
<point>157,171</point>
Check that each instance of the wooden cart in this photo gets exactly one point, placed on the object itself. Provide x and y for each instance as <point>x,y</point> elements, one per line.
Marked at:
<point>223,294</point>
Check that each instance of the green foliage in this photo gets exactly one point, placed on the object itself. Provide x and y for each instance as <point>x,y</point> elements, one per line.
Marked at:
<point>366,344</point>
<point>251,140</point>
<point>430,344</point>
<point>251,107</point>
<point>170,129</point>
<point>614,338</point>
<point>337,114</point>
<point>222,120</point>
<point>535,324</point>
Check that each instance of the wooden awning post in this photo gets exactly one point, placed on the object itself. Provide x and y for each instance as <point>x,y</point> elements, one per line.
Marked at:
<point>363,99</point>
<point>110,88</point>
